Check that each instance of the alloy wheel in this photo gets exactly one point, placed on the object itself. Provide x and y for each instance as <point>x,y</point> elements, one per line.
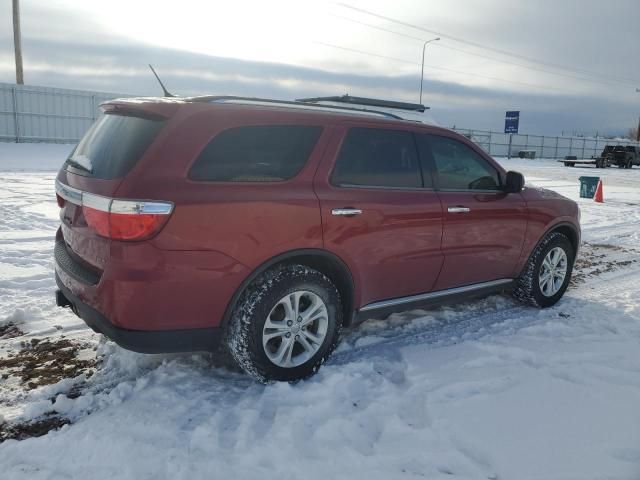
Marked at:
<point>553,271</point>
<point>295,329</point>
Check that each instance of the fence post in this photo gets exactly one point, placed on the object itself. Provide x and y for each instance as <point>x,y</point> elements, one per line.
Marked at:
<point>93,107</point>
<point>555,155</point>
<point>570,145</point>
<point>584,144</point>
<point>15,114</point>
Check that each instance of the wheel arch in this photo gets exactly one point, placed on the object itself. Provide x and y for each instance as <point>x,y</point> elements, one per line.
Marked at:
<point>323,261</point>
<point>568,229</point>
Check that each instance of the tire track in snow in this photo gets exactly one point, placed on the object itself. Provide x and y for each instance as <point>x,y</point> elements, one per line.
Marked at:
<point>475,325</point>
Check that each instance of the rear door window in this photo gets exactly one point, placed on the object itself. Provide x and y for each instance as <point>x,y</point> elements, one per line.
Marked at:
<point>457,166</point>
<point>261,153</point>
<point>372,157</point>
<point>112,146</point>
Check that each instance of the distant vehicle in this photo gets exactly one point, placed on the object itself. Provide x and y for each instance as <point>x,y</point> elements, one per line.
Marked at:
<point>270,225</point>
<point>572,161</point>
<point>624,156</point>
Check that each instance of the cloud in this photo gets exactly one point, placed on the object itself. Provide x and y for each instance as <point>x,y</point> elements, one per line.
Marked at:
<point>74,52</point>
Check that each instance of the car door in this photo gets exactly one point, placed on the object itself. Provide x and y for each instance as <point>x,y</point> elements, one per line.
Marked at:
<point>483,227</point>
<point>378,214</point>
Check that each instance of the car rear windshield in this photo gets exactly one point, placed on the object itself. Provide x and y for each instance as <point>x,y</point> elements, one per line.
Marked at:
<point>113,145</point>
<point>259,153</point>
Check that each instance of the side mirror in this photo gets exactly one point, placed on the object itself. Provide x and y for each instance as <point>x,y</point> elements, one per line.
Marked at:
<point>514,183</point>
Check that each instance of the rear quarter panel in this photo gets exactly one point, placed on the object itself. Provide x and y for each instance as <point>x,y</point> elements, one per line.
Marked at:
<point>248,222</point>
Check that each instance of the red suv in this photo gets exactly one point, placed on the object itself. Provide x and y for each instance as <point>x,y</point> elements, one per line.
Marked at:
<point>271,225</point>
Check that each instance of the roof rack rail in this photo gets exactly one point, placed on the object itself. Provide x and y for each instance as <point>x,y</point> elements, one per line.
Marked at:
<point>296,103</point>
<point>371,102</point>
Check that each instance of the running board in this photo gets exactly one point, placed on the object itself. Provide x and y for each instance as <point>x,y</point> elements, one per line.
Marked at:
<point>386,307</point>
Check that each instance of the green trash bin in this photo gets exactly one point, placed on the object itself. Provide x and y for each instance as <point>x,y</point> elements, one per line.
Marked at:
<point>588,186</point>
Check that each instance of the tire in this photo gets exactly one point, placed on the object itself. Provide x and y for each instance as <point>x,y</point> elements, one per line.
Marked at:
<point>264,300</point>
<point>528,289</point>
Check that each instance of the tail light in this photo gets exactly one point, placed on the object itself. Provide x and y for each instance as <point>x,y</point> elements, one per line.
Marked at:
<point>118,219</point>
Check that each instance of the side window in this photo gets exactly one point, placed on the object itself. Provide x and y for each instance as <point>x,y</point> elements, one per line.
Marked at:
<point>263,153</point>
<point>378,158</point>
<point>458,167</point>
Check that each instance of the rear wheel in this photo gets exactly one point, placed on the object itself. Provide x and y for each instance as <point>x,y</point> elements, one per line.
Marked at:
<point>286,324</point>
<point>547,273</point>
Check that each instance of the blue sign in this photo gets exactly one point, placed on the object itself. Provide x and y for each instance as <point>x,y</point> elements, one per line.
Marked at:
<point>511,121</point>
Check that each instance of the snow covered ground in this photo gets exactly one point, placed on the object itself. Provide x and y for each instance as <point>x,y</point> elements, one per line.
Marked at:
<point>485,390</point>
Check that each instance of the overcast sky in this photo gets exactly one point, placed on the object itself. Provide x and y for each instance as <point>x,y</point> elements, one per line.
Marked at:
<point>567,65</point>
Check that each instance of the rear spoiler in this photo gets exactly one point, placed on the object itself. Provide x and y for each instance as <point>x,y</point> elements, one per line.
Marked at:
<point>152,108</point>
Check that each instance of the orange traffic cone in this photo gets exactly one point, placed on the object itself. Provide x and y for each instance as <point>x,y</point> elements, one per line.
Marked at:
<point>598,196</point>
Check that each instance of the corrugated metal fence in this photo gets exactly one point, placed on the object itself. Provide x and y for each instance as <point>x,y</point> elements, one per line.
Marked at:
<point>57,115</point>
<point>42,114</point>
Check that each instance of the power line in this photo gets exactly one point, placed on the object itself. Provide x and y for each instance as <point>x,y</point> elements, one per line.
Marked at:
<point>468,52</point>
<point>402,60</point>
<point>627,81</point>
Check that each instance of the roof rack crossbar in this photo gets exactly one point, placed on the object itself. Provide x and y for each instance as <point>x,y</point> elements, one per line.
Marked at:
<point>371,102</point>
<point>222,98</point>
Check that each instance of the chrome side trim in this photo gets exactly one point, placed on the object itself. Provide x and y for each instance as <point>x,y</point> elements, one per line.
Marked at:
<point>434,295</point>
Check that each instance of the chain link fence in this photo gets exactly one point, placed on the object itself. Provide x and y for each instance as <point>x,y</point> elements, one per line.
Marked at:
<point>56,115</point>
<point>499,145</point>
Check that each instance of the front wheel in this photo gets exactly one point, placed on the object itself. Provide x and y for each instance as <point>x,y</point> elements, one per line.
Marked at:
<point>286,324</point>
<point>547,273</point>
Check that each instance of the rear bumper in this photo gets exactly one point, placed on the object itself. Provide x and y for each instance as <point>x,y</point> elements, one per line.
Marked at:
<point>143,288</point>
<point>143,341</point>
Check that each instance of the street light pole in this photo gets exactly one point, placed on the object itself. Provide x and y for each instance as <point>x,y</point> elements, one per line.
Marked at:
<point>424,47</point>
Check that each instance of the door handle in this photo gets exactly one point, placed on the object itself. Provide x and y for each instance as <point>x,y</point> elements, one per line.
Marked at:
<point>458,209</point>
<point>346,212</point>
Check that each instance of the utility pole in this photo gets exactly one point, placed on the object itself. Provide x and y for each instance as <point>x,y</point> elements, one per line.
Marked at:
<point>17,42</point>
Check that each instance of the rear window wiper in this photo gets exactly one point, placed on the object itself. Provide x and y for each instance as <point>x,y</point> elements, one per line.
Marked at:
<point>78,165</point>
